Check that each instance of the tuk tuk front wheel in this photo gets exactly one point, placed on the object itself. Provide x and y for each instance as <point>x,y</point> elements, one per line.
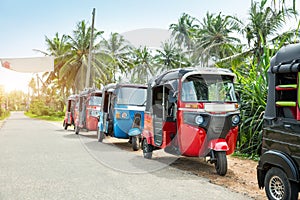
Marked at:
<point>221,162</point>
<point>278,186</point>
<point>135,143</point>
<point>147,149</point>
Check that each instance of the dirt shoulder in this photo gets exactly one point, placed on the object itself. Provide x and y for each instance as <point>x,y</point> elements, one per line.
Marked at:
<point>240,177</point>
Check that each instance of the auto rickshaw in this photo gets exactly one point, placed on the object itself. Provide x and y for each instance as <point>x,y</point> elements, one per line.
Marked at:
<point>88,107</point>
<point>278,169</point>
<point>70,109</point>
<point>192,112</point>
<point>122,112</point>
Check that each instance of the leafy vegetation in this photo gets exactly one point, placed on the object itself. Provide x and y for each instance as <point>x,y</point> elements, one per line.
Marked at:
<point>44,117</point>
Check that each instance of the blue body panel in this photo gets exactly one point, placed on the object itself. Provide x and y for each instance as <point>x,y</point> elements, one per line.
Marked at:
<point>122,125</point>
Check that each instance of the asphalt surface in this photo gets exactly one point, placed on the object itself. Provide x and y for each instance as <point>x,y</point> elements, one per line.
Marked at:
<point>40,160</point>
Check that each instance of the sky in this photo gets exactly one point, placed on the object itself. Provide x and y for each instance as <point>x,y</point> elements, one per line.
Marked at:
<point>24,24</point>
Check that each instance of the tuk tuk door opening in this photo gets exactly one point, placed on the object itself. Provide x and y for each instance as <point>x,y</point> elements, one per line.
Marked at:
<point>82,110</point>
<point>157,111</point>
<point>163,110</point>
<point>107,113</point>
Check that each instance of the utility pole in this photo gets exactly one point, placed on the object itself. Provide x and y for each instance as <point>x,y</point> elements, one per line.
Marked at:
<point>88,72</point>
<point>38,84</point>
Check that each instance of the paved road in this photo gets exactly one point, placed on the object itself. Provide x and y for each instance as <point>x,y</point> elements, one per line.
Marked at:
<point>40,160</point>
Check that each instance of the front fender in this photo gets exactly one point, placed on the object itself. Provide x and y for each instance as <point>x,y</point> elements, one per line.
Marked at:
<point>134,132</point>
<point>279,159</point>
<point>218,145</point>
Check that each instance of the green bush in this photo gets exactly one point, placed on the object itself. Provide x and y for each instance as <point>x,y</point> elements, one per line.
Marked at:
<point>39,108</point>
<point>4,113</point>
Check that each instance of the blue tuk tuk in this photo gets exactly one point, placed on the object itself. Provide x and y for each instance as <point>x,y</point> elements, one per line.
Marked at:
<point>122,112</point>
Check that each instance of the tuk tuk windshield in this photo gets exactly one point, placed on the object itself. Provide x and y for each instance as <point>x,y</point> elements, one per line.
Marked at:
<point>95,101</point>
<point>131,96</point>
<point>208,88</point>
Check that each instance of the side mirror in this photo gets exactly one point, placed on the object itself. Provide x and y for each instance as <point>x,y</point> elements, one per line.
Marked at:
<point>238,97</point>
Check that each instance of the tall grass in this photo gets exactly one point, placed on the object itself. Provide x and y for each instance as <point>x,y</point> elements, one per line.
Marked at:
<point>253,86</point>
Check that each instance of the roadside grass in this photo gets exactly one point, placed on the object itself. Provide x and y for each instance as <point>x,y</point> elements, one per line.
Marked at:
<point>4,116</point>
<point>48,118</point>
<point>245,156</point>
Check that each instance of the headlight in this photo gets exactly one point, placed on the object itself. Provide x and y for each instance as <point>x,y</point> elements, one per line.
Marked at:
<point>124,115</point>
<point>199,120</point>
<point>93,113</point>
<point>235,119</point>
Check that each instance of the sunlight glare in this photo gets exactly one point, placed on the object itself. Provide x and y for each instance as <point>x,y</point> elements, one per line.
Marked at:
<point>12,80</point>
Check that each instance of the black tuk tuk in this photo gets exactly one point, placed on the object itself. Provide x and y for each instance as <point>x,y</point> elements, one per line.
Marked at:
<point>278,167</point>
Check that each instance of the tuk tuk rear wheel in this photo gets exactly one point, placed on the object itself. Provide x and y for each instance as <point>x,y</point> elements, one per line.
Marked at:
<point>135,143</point>
<point>147,149</point>
<point>278,186</point>
<point>221,162</point>
<point>65,125</point>
<point>76,130</point>
<point>100,135</point>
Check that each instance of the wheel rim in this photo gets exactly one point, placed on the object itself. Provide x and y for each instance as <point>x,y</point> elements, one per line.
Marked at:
<point>277,188</point>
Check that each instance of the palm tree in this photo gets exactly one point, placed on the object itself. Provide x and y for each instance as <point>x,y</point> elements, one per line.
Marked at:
<point>75,66</point>
<point>170,57</point>
<point>184,30</point>
<point>118,49</point>
<point>215,40</point>
<point>265,22</point>
<point>143,65</point>
<point>58,48</point>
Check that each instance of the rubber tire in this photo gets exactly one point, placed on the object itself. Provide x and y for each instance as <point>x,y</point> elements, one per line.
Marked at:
<point>65,126</point>
<point>221,162</point>
<point>135,143</point>
<point>76,130</point>
<point>290,188</point>
<point>100,135</point>
<point>147,149</point>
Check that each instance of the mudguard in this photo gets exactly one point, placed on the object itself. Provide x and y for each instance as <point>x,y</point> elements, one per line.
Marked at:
<point>218,145</point>
<point>278,159</point>
<point>134,132</point>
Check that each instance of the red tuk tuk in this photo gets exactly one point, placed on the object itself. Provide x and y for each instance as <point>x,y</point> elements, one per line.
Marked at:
<point>192,112</point>
<point>87,110</point>
<point>69,116</point>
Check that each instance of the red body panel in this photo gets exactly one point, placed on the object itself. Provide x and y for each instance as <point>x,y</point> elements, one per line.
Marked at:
<point>191,140</point>
<point>169,130</point>
<point>231,139</point>
<point>91,121</point>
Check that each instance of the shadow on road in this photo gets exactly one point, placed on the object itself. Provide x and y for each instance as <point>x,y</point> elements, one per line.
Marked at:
<point>191,165</point>
<point>71,136</point>
<point>92,136</point>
